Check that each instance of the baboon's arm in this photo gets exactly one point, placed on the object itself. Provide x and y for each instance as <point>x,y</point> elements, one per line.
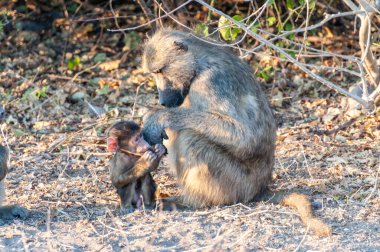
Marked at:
<point>239,137</point>
<point>141,167</point>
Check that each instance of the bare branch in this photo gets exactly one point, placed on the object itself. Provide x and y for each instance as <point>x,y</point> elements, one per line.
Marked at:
<point>148,14</point>
<point>351,5</point>
<point>364,42</point>
<point>327,18</point>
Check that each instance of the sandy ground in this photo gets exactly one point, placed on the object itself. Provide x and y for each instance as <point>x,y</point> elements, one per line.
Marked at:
<point>74,207</point>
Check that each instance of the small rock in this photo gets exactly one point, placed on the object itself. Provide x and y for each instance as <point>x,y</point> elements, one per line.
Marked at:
<point>340,138</point>
<point>326,139</point>
<point>68,55</point>
<point>298,80</point>
<point>78,96</point>
<point>278,99</point>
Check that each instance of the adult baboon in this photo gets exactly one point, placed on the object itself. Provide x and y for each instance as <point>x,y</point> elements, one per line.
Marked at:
<point>221,131</point>
<point>220,127</point>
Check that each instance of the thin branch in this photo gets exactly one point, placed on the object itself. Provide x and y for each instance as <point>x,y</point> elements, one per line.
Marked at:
<point>364,42</point>
<point>336,129</point>
<point>351,5</point>
<point>148,14</point>
<point>327,18</point>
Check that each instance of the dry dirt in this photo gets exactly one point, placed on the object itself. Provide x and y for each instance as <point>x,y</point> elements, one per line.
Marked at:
<point>59,167</point>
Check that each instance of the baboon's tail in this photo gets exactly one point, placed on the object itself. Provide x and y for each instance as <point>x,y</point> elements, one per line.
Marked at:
<point>301,203</point>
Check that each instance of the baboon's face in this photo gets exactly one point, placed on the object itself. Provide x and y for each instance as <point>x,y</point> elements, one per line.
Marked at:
<point>173,67</point>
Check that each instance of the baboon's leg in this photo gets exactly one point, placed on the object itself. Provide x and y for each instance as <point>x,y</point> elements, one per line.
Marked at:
<point>127,195</point>
<point>148,188</point>
<point>209,175</point>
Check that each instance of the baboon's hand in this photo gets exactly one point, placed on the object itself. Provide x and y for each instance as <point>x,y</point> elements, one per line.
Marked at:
<point>149,156</point>
<point>154,131</point>
<point>159,149</point>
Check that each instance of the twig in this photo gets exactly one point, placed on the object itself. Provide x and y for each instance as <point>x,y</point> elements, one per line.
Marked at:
<point>307,163</point>
<point>66,78</point>
<point>147,13</point>
<point>374,186</point>
<point>335,130</point>
<point>303,238</point>
<point>135,100</point>
<point>48,229</point>
<point>84,70</point>
<point>327,18</point>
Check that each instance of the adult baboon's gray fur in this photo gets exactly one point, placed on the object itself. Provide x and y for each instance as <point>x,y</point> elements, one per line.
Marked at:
<point>221,130</point>
<point>218,128</point>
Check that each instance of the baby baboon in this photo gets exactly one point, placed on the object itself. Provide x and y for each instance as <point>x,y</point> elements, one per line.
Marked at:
<point>7,212</point>
<point>131,165</point>
<point>221,131</point>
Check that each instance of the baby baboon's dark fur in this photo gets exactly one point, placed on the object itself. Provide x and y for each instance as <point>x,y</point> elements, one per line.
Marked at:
<point>131,165</point>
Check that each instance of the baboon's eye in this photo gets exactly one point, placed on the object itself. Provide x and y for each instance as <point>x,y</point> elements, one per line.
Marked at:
<point>159,70</point>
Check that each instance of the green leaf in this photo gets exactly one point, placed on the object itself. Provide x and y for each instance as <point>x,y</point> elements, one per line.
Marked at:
<point>271,21</point>
<point>225,31</point>
<point>228,30</point>
<point>100,57</point>
<point>266,73</point>
<point>301,2</point>
<point>237,18</point>
<point>104,91</point>
<point>202,28</point>
<point>77,60</point>
<point>271,2</point>
<point>288,26</point>
<point>41,93</point>
<point>312,5</point>
<point>71,65</point>
<point>255,26</point>
<point>290,4</point>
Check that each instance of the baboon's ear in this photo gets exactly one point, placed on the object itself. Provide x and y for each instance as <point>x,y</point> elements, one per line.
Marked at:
<point>112,144</point>
<point>181,46</point>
